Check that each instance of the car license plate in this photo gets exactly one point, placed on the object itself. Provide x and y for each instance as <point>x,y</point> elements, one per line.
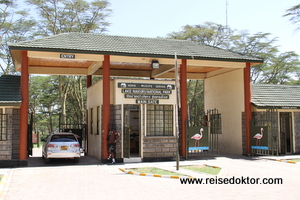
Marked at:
<point>64,147</point>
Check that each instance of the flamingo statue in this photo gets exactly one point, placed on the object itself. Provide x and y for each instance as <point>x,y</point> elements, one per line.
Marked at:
<point>258,136</point>
<point>197,137</point>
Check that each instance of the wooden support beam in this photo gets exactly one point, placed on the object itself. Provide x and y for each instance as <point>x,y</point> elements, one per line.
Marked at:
<point>162,70</point>
<point>57,55</point>
<point>58,70</point>
<point>94,67</point>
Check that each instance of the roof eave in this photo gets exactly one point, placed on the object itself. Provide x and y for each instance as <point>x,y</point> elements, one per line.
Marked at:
<point>258,61</point>
<point>12,103</point>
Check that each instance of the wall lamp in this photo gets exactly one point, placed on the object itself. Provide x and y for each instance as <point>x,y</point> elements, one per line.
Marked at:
<point>155,64</point>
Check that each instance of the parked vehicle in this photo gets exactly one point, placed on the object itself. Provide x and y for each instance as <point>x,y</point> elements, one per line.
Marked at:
<point>61,145</point>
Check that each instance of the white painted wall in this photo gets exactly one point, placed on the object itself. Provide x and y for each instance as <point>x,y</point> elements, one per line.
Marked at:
<point>225,92</point>
<point>94,99</point>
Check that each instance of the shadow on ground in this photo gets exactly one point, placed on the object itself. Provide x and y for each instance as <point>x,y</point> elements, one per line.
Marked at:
<point>39,162</point>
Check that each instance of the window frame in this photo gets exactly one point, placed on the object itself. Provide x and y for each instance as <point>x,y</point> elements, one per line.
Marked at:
<point>162,126</point>
<point>3,126</point>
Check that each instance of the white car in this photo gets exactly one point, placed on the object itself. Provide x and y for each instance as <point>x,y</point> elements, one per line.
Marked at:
<point>61,145</point>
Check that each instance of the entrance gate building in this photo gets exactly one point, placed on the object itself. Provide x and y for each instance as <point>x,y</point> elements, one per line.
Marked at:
<point>226,78</point>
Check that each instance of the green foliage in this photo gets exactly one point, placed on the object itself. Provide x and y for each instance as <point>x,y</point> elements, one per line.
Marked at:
<point>154,170</point>
<point>64,16</point>
<point>203,169</point>
<point>209,33</point>
<point>15,26</point>
<point>294,14</point>
<point>46,93</point>
<point>68,92</point>
<point>278,68</point>
<point>43,103</point>
<point>196,102</point>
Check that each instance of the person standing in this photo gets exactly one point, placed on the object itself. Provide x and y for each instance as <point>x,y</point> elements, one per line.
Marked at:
<point>112,138</point>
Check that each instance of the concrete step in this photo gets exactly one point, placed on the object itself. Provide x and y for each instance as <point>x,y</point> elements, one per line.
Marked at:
<point>132,160</point>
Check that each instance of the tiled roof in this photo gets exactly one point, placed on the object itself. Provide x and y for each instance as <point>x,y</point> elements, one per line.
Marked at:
<point>130,46</point>
<point>10,90</point>
<point>270,95</point>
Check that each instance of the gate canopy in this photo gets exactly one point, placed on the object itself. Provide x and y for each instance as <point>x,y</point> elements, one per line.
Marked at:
<point>83,54</point>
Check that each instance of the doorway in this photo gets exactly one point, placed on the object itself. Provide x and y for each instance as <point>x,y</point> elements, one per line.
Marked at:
<point>132,136</point>
<point>286,133</point>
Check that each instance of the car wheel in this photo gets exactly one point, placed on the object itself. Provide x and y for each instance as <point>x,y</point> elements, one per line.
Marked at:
<point>76,160</point>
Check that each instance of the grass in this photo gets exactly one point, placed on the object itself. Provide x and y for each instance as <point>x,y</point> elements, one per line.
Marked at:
<point>203,169</point>
<point>154,170</point>
<point>295,160</point>
<point>158,171</point>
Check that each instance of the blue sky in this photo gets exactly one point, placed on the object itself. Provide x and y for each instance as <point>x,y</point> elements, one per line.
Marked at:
<point>153,18</point>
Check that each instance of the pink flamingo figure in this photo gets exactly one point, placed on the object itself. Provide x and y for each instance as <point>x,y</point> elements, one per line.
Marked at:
<point>197,137</point>
<point>258,136</point>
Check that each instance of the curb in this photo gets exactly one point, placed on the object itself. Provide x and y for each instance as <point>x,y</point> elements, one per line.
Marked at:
<point>222,172</point>
<point>286,161</point>
<point>153,175</point>
<point>213,166</point>
<point>3,182</point>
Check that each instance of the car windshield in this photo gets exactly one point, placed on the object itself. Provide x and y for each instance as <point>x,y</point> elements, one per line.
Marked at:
<point>63,138</point>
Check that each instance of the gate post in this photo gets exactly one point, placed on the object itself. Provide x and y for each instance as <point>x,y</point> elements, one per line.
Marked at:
<point>24,107</point>
<point>183,97</point>
<point>106,104</point>
<point>247,104</point>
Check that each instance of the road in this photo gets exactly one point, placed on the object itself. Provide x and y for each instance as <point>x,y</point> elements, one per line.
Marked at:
<point>91,180</point>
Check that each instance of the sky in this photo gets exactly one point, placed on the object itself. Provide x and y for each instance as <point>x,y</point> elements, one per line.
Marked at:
<point>157,18</point>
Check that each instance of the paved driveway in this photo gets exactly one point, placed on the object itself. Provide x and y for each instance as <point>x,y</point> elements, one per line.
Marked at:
<point>91,180</point>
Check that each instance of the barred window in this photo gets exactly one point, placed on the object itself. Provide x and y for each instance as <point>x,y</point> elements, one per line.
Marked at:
<point>3,126</point>
<point>216,124</point>
<point>159,120</point>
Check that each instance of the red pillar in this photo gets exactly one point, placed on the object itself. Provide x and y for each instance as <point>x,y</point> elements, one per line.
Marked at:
<point>184,107</point>
<point>106,104</point>
<point>88,84</point>
<point>88,81</point>
<point>247,99</point>
<point>24,107</point>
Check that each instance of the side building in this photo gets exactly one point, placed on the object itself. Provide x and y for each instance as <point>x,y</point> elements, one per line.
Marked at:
<point>10,100</point>
<point>276,119</point>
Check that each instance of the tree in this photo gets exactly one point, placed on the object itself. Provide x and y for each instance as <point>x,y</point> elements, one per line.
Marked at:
<point>281,69</point>
<point>44,98</point>
<point>64,16</point>
<point>196,102</point>
<point>257,45</point>
<point>15,26</point>
<point>212,34</point>
<point>294,14</point>
<point>278,68</point>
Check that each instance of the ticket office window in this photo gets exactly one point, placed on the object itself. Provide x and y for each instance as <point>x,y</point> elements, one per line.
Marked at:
<point>160,120</point>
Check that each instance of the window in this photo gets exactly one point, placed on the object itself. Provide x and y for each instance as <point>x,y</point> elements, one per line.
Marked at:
<point>91,123</point>
<point>3,126</point>
<point>159,120</point>
<point>63,138</point>
<point>216,124</point>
